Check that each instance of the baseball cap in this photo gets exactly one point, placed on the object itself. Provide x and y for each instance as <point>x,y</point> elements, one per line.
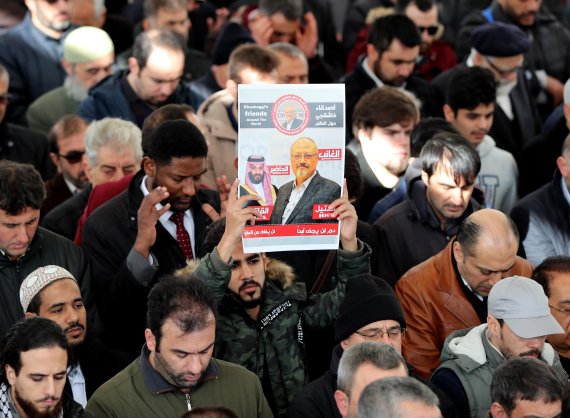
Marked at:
<point>522,304</point>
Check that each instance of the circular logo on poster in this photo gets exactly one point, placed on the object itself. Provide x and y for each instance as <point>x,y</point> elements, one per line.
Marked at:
<point>290,114</point>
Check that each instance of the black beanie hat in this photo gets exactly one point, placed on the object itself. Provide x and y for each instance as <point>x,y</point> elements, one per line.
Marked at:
<point>500,39</point>
<point>229,38</point>
<point>367,299</point>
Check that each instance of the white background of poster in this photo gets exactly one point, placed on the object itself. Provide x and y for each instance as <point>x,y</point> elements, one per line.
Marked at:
<point>258,135</point>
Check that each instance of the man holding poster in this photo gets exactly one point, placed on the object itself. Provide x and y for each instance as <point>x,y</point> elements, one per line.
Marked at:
<point>295,199</point>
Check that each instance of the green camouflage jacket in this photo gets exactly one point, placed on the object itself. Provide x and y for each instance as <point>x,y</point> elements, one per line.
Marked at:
<point>277,335</point>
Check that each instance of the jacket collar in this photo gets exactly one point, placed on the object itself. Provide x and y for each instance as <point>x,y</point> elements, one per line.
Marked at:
<point>158,385</point>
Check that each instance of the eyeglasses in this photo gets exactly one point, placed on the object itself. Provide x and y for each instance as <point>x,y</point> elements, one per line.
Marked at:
<point>431,30</point>
<point>565,311</point>
<point>377,334</point>
<point>502,71</point>
<point>73,157</point>
<point>304,156</point>
<point>5,98</point>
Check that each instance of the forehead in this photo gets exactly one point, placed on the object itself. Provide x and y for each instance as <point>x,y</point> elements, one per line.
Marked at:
<point>559,286</point>
<point>164,13</point>
<point>58,289</point>
<point>419,17</point>
<point>444,174</point>
<point>481,109</point>
<point>398,50</point>
<point>387,323</point>
<point>538,408</point>
<point>165,62</point>
<point>281,24</point>
<point>190,342</point>
<point>184,166</point>
<point>303,145</point>
<point>108,154</point>
<point>508,62</point>
<point>44,360</point>
<point>291,63</point>
<point>101,62</point>
<point>25,216</point>
<point>251,76</point>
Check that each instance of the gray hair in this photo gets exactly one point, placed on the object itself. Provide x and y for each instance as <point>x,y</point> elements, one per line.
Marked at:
<point>380,355</point>
<point>382,398</point>
<point>289,50</point>
<point>112,132</point>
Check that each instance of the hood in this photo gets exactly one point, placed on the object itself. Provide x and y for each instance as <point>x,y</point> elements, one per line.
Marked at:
<point>469,343</point>
<point>280,273</point>
<point>213,112</point>
<point>486,146</point>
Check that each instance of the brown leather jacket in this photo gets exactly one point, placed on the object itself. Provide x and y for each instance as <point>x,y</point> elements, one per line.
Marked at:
<point>435,306</point>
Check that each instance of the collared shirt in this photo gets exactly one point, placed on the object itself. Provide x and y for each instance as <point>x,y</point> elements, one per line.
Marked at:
<point>296,195</point>
<point>157,384</point>
<point>72,187</point>
<point>374,77</point>
<point>138,106</point>
<point>77,383</point>
<point>169,225</point>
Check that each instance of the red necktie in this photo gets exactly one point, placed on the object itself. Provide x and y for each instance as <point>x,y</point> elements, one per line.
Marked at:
<point>182,235</point>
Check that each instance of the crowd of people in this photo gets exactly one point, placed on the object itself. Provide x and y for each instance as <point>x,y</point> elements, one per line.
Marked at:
<point>126,289</point>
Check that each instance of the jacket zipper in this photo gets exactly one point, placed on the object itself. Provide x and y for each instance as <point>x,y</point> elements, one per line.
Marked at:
<point>188,402</point>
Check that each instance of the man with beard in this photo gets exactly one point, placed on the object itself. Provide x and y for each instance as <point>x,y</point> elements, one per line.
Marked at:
<point>34,360</point>
<point>261,306</point>
<point>258,182</point>
<point>52,292</point>
<point>31,51</point>
<point>149,230</point>
<point>518,322</point>
<point>175,371</point>
<point>152,80</point>
<point>295,199</point>
<point>515,118</point>
<point>391,54</point>
<point>88,56</point>
<point>383,120</point>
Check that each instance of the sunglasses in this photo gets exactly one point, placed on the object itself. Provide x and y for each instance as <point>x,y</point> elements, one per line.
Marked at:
<point>431,30</point>
<point>4,99</point>
<point>73,157</point>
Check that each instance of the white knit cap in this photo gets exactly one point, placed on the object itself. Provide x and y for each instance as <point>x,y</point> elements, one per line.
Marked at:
<point>85,44</point>
<point>38,279</point>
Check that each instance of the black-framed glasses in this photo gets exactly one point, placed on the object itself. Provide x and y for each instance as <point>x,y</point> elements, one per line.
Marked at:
<point>502,71</point>
<point>73,157</point>
<point>565,311</point>
<point>394,333</point>
<point>431,30</point>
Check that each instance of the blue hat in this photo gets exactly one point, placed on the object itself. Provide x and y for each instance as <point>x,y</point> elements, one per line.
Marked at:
<point>500,39</point>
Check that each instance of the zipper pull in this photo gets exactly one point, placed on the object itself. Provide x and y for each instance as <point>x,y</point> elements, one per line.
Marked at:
<point>188,402</point>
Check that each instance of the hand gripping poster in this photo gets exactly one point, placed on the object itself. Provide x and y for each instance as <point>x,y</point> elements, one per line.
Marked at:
<point>291,155</point>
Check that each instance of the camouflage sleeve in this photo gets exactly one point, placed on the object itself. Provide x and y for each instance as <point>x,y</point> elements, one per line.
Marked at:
<point>321,309</point>
<point>213,271</point>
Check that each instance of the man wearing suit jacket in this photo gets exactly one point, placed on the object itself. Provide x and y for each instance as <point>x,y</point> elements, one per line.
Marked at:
<point>291,119</point>
<point>295,199</point>
<point>149,230</point>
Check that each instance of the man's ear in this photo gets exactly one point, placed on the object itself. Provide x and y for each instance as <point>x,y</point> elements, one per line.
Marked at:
<point>425,178</point>
<point>10,374</point>
<point>29,315</point>
<point>231,87</point>
<point>497,411</point>
<point>150,340</point>
<point>55,159</point>
<point>458,253</point>
<point>133,66</point>
<point>372,52</point>
<point>149,166</point>
<point>146,25</point>
<point>562,166</point>
<point>67,66</point>
<point>448,113</point>
<point>341,402</point>
<point>344,344</point>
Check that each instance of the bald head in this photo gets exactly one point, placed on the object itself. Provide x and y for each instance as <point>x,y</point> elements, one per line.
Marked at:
<point>485,249</point>
<point>489,228</point>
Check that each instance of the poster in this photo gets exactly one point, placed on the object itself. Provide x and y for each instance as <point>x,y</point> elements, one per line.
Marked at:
<point>291,153</point>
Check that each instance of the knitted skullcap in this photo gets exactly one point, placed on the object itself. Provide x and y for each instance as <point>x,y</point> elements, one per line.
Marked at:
<point>85,44</point>
<point>39,279</point>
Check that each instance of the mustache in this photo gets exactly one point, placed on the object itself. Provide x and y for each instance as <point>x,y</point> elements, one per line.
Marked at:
<point>74,325</point>
<point>49,398</point>
<point>533,352</point>
<point>248,283</point>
